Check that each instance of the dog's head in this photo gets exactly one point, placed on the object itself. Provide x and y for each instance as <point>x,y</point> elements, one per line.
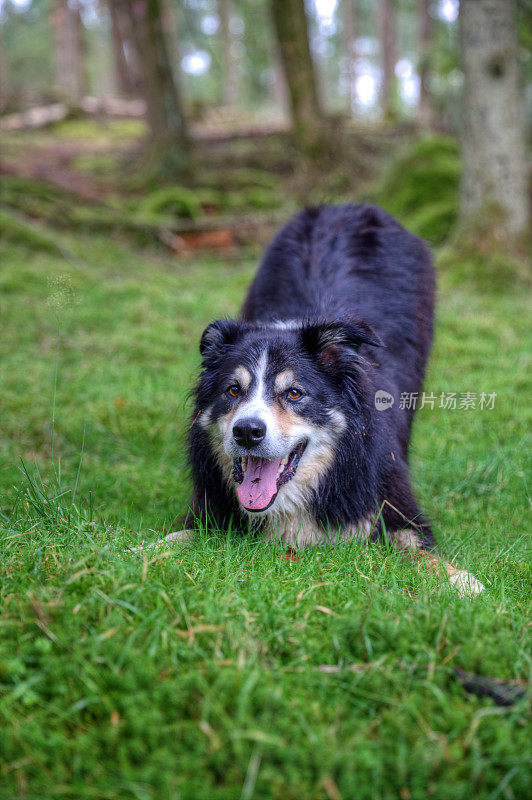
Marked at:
<point>272,398</point>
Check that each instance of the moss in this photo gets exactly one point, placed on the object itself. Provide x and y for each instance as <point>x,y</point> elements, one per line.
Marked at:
<point>434,220</point>
<point>139,226</point>
<point>338,182</point>
<point>118,129</point>
<point>12,185</point>
<point>175,200</point>
<point>15,229</point>
<point>254,178</point>
<point>96,163</point>
<point>479,255</point>
<point>211,199</point>
<point>36,199</point>
<point>260,199</point>
<point>249,199</point>
<point>420,187</point>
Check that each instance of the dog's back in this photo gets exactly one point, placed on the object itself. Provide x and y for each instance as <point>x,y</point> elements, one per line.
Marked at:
<point>352,261</point>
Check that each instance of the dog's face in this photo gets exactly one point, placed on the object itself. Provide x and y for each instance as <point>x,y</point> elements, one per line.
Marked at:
<point>270,398</point>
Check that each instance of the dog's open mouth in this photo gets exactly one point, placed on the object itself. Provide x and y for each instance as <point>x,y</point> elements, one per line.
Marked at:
<point>259,479</point>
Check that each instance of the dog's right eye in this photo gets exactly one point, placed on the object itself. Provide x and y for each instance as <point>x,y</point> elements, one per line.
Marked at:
<point>234,390</point>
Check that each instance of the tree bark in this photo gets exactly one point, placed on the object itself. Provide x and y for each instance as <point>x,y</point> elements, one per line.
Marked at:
<point>171,32</point>
<point>279,87</point>
<point>159,88</point>
<point>349,46</point>
<point>230,66</point>
<point>70,74</point>
<point>280,93</point>
<point>59,12</point>
<point>493,135</point>
<point>290,22</point>
<point>388,41</point>
<point>5,93</point>
<point>425,113</point>
<point>123,75</point>
<point>80,51</point>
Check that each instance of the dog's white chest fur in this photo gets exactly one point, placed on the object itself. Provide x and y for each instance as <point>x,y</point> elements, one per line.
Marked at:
<point>303,531</point>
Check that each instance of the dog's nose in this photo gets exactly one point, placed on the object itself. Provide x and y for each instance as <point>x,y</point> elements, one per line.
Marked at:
<point>249,432</point>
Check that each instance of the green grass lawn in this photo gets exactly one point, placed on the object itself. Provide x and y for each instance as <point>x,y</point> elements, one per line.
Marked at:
<point>223,670</point>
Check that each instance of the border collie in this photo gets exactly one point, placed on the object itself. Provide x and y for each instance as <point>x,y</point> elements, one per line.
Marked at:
<point>298,431</point>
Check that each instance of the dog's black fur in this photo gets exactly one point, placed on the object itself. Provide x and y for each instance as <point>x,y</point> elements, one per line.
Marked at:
<point>361,289</point>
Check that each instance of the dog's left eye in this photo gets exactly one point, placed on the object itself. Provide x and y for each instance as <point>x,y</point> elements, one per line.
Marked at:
<point>294,394</point>
<point>234,390</point>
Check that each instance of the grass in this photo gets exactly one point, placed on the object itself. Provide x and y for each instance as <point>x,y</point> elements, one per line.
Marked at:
<point>223,670</point>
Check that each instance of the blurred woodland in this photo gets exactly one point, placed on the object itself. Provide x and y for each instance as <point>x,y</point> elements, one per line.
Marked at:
<point>204,118</point>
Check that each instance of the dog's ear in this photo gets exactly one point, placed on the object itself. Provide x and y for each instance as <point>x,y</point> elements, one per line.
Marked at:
<point>217,337</point>
<point>335,345</point>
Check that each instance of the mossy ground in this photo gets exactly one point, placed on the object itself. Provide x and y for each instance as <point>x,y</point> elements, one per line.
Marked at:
<point>224,670</point>
<point>420,187</point>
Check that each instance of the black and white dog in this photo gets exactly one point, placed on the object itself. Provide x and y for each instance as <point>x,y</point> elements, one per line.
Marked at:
<point>298,431</point>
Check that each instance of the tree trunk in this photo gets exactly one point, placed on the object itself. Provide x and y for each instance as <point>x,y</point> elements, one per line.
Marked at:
<point>79,43</point>
<point>5,94</point>
<point>279,87</point>
<point>349,47</point>
<point>230,66</point>
<point>169,22</point>
<point>160,91</point>
<point>290,24</point>
<point>388,40</point>
<point>123,76</point>
<point>129,47</point>
<point>493,136</point>
<point>425,114</point>
<point>59,11</point>
<point>70,52</point>
<point>280,94</point>
<point>65,71</point>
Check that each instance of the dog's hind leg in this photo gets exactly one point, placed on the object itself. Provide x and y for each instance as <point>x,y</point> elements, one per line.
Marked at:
<point>466,583</point>
<point>461,579</point>
<point>405,527</point>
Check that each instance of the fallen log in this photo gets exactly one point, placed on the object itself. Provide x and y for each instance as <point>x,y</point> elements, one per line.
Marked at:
<point>43,116</point>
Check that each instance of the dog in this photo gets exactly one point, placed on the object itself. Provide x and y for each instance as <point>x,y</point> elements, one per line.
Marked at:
<point>298,431</point>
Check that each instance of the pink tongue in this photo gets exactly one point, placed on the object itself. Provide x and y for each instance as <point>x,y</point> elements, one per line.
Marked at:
<point>259,484</point>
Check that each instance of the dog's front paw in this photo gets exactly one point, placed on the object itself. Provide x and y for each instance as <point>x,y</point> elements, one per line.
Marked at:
<point>466,583</point>
<point>178,537</point>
